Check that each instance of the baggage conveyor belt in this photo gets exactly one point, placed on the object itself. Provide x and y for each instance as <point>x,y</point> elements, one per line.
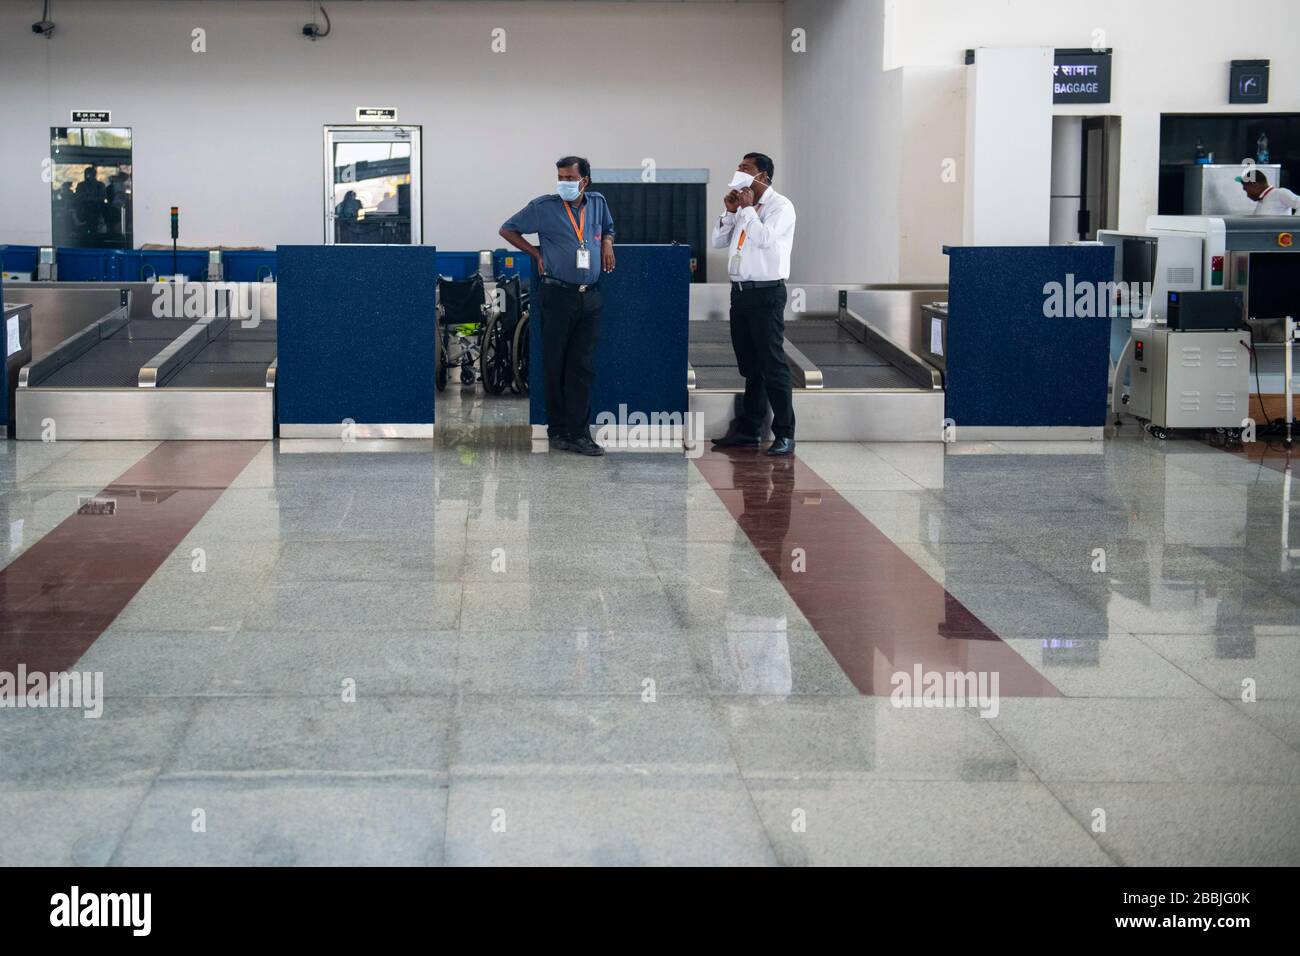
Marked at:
<point>851,382</point>
<point>135,377</point>
<point>822,353</point>
<point>844,361</point>
<point>237,358</point>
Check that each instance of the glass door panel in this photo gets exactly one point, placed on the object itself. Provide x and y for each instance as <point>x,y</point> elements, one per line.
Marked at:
<point>90,201</point>
<point>372,190</point>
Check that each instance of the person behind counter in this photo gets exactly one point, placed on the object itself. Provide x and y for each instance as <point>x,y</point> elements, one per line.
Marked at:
<point>1269,200</point>
<point>575,232</point>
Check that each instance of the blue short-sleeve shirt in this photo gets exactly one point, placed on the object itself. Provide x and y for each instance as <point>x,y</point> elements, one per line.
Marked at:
<point>546,217</point>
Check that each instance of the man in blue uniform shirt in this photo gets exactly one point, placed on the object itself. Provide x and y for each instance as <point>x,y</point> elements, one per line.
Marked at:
<point>575,232</point>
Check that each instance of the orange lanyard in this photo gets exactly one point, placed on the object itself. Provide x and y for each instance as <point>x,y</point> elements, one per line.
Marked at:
<point>580,225</point>
<point>740,243</point>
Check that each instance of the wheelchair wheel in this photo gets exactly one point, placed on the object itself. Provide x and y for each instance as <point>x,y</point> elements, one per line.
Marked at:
<point>520,354</point>
<point>494,360</point>
<point>440,376</point>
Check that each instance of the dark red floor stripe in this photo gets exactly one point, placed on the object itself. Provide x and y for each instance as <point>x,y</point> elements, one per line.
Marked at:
<point>60,594</point>
<point>874,607</point>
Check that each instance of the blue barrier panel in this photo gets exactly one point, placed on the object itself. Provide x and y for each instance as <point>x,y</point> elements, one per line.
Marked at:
<point>132,268</point>
<point>88,265</point>
<point>1018,355</point>
<point>247,265</point>
<point>142,265</point>
<point>641,354</point>
<point>18,259</point>
<point>239,265</point>
<point>457,265</point>
<point>512,262</point>
<point>357,337</point>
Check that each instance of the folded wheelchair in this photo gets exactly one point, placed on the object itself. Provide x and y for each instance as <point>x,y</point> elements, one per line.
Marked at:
<point>486,340</point>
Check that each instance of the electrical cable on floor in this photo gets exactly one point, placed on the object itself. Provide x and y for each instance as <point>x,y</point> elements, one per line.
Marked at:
<point>1274,427</point>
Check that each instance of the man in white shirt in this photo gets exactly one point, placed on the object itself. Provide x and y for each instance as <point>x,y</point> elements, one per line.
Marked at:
<point>1269,200</point>
<point>758,230</point>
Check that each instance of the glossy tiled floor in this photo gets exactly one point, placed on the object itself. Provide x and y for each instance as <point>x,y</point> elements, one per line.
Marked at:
<point>561,660</point>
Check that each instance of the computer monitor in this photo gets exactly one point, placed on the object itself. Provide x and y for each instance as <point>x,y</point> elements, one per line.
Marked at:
<point>1138,260</point>
<point>1137,269</point>
<point>1274,285</point>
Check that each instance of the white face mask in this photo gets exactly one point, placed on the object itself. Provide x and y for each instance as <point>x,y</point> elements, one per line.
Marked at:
<point>740,181</point>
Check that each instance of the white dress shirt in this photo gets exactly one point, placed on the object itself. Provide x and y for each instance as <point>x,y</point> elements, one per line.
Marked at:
<point>768,229</point>
<point>1276,202</point>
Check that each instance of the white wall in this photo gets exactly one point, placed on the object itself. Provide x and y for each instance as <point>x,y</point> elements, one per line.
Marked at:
<point>233,135</point>
<point>1170,56</point>
<point>843,132</point>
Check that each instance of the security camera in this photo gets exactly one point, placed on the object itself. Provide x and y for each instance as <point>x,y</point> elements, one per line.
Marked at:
<point>312,31</point>
<point>45,27</point>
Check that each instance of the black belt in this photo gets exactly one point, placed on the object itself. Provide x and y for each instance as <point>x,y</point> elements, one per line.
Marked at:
<point>757,284</point>
<point>589,287</point>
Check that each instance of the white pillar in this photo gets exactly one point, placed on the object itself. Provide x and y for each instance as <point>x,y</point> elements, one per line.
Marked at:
<point>1008,147</point>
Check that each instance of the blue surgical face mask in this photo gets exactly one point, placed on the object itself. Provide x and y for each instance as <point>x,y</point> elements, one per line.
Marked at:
<point>568,190</point>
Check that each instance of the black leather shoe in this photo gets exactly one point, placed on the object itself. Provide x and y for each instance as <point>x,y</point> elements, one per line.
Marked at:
<point>733,440</point>
<point>584,445</point>
<point>560,443</point>
<point>782,446</point>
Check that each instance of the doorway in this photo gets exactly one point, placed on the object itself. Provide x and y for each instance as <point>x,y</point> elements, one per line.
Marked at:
<point>1085,177</point>
<point>372,185</point>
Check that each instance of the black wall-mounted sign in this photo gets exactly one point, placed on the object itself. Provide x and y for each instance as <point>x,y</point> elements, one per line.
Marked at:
<point>1248,81</point>
<point>88,117</point>
<point>376,114</point>
<point>1081,76</point>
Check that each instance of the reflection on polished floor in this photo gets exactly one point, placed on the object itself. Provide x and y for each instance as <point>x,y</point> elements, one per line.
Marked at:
<point>462,652</point>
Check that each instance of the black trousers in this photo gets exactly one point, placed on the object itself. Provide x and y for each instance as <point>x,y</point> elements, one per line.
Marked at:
<point>570,327</point>
<point>757,336</point>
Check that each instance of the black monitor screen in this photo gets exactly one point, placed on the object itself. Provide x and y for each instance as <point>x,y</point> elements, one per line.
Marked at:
<point>1138,260</point>
<point>1274,289</point>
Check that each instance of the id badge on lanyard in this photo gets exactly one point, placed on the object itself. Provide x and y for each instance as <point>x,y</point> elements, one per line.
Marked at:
<point>580,229</point>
